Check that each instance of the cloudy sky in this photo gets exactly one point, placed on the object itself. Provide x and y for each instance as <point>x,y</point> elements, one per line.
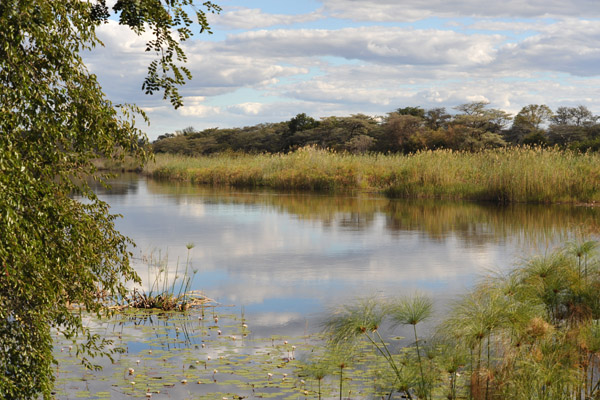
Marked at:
<point>269,60</point>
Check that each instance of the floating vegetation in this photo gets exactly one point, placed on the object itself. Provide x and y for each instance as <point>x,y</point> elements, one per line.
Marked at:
<point>167,292</point>
<point>166,301</point>
<point>177,355</point>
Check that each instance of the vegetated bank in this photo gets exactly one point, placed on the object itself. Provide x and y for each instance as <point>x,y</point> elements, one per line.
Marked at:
<point>512,174</point>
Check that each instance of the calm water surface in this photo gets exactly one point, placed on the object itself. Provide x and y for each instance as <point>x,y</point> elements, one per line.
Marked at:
<point>288,258</point>
<point>280,262</point>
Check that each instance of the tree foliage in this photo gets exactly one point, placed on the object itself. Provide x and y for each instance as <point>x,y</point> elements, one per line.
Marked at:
<point>527,125</point>
<point>58,243</point>
<point>474,127</point>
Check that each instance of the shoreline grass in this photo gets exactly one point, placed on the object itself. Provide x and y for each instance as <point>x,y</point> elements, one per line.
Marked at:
<point>524,175</point>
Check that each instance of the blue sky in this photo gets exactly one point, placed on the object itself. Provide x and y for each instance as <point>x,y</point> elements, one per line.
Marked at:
<point>270,60</point>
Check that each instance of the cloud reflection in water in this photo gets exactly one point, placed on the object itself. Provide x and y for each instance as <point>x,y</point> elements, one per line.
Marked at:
<point>295,255</point>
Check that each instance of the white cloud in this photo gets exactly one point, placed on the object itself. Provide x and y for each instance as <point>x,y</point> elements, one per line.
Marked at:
<point>121,39</point>
<point>193,107</point>
<point>373,44</point>
<point>346,68</point>
<point>226,69</point>
<point>198,110</point>
<point>247,108</point>
<point>571,46</point>
<point>336,91</point>
<point>414,10</point>
<point>253,18</point>
<point>122,63</point>
<point>493,25</point>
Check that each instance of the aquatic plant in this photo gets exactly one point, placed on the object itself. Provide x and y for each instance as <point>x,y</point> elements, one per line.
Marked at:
<point>533,333</point>
<point>316,369</point>
<point>582,250</point>
<point>164,350</point>
<point>412,311</point>
<point>363,319</point>
<point>167,293</point>
<point>537,328</point>
<point>530,334</point>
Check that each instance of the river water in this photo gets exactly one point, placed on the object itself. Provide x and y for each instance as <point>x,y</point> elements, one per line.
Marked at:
<point>286,259</point>
<point>277,264</point>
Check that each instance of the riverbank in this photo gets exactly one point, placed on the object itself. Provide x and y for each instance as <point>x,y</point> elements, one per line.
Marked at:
<point>532,175</point>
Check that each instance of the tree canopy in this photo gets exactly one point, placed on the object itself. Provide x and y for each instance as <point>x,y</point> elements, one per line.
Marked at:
<point>58,242</point>
<point>474,127</point>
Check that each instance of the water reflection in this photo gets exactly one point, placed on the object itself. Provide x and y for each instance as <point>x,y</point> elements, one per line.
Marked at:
<point>476,223</point>
<point>123,184</point>
<point>288,257</point>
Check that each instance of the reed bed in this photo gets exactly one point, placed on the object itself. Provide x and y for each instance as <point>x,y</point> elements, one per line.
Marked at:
<point>526,174</point>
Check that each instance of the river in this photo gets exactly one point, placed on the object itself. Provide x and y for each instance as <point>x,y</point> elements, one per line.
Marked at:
<point>284,261</point>
<point>287,257</point>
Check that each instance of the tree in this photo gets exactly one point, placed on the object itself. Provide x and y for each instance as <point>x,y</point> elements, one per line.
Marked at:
<point>403,132</point>
<point>533,116</point>
<point>58,243</point>
<point>299,123</point>
<point>360,144</point>
<point>302,122</point>
<point>479,126</point>
<point>475,115</point>
<point>414,111</point>
<point>526,127</point>
<point>188,131</point>
<point>437,118</point>
<point>577,116</point>
<point>572,124</point>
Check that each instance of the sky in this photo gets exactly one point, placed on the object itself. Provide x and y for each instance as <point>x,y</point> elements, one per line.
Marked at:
<point>268,60</point>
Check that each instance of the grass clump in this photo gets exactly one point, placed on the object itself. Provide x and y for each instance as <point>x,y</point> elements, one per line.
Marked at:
<point>523,174</point>
<point>167,292</point>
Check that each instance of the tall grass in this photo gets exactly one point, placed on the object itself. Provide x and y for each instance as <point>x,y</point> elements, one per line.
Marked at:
<point>526,174</point>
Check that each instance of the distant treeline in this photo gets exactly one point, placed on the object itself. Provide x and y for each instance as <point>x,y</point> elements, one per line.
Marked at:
<point>473,127</point>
